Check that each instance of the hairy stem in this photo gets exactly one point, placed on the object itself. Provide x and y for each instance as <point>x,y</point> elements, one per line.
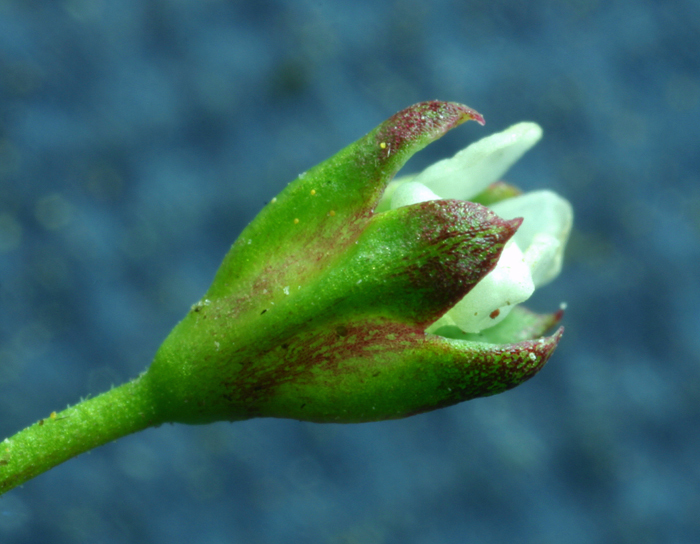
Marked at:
<point>61,436</point>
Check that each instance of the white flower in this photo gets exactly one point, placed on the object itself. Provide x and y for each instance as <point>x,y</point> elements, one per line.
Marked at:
<point>532,258</point>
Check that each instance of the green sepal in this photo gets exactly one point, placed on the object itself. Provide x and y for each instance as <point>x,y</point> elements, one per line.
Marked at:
<point>414,263</point>
<point>373,371</point>
<point>355,371</point>
<point>326,208</point>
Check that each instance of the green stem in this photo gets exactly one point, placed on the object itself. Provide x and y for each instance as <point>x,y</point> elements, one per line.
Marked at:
<point>61,436</point>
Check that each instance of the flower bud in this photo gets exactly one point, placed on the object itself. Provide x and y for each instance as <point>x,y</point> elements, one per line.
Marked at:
<point>319,310</point>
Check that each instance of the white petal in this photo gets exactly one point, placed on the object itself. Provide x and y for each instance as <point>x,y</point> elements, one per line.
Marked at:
<point>490,301</point>
<point>544,257</point>
<point>384,203</point>
<point>473,169</point>
<point>411,193</point>
<point>547,220</point>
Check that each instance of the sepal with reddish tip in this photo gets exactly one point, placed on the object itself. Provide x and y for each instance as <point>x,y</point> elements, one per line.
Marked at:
<point>326,208</point>
<point>371,371</point>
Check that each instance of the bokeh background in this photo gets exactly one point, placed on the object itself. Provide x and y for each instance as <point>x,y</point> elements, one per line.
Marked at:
<point>137,139</point>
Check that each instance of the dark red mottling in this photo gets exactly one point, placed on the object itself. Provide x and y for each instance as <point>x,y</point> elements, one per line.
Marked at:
<point>426,119</point>
<point>465,242</point>
<point>321,350</point>
<point>494,370</point>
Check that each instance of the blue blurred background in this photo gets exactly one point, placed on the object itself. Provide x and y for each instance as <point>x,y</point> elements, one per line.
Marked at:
<point>137,139</point>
